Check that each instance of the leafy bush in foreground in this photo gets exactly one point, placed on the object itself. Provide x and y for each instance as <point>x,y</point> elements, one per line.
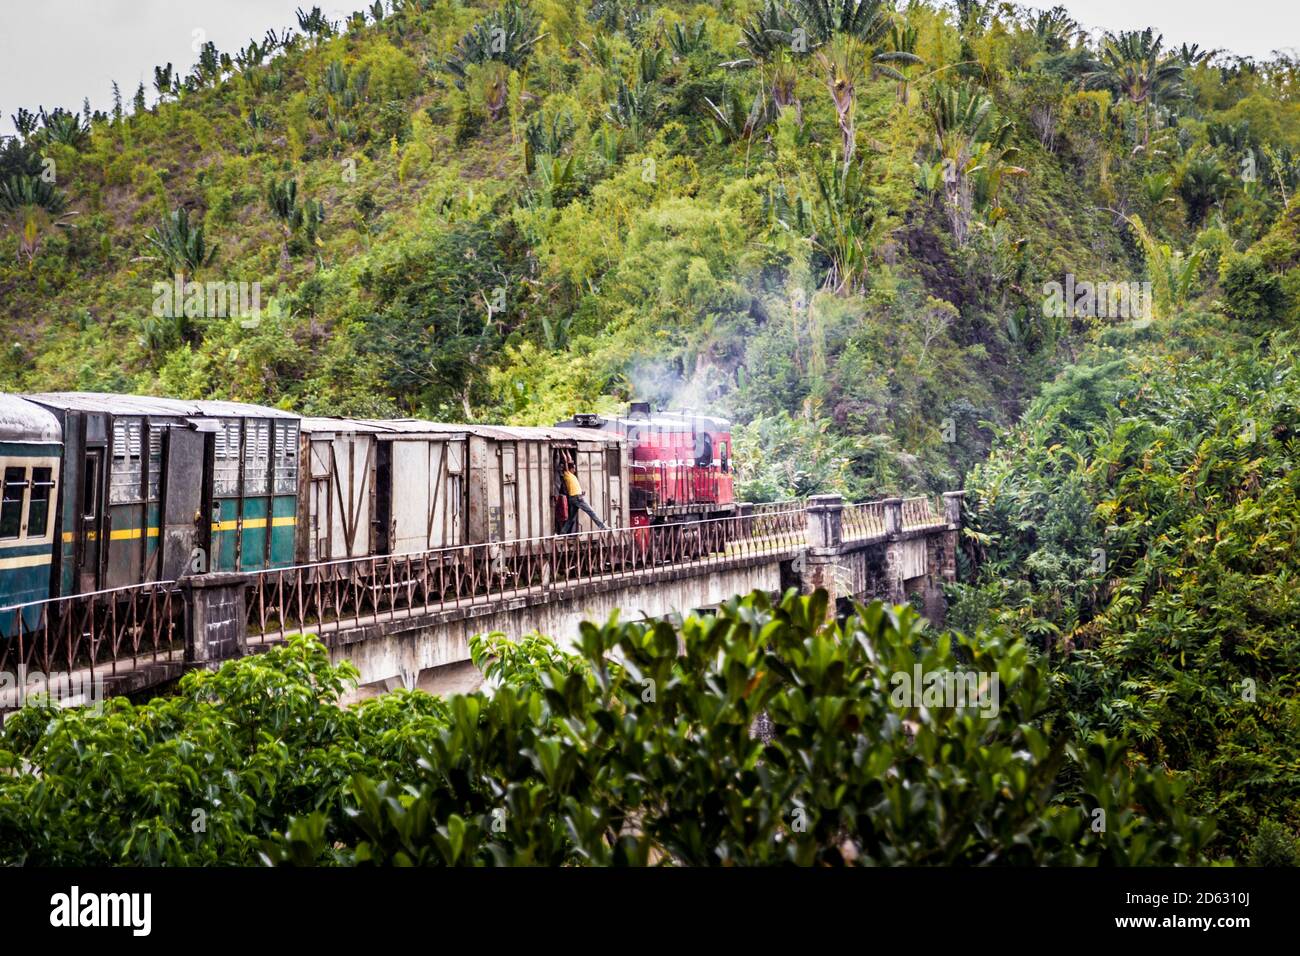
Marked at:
<point>640,750</point>
<point>201,777</point>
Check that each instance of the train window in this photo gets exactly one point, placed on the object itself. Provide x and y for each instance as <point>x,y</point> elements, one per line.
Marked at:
<point>38,508</point>
<point>225,466</point>
<point>11,502</point>
<point>124,485</point>
<point>705,446</point>
<point>257,456</point>
<point>286,457</point>
<point>722,453</point>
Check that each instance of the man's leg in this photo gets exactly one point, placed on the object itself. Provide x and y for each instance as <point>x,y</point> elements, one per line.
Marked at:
<point>582,503</point>
<point>570,522</point>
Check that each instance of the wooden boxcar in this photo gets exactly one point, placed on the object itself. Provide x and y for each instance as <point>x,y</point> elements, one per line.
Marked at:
<point>515,490</point>
<point>30,453</point>
<point>379,487</point>
<point>155,488</point>
<point>371,487</point>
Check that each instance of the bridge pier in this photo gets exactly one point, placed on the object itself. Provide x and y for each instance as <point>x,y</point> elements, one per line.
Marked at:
<point>216,616</point>
<point>820,562</point>
<point>895,587</point>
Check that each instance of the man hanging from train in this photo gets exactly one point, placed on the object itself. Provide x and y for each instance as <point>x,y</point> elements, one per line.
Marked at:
<point>573,491</point>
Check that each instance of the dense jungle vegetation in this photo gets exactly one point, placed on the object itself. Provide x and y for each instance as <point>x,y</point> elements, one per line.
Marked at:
<point>834,221</point>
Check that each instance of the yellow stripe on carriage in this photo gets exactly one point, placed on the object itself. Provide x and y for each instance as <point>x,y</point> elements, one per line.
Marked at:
<point>130,534</point>
<point>254,523</point>
<point>24,561</point>
<point>122,534</point>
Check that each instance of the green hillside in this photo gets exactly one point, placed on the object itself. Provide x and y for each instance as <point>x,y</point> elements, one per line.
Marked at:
<point>620,200</point>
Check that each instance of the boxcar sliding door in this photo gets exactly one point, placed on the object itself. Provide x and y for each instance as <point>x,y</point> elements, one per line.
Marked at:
<point>592,466</point>
<point>428,492</point>
<point>342,466</point>
<point>182,494</point>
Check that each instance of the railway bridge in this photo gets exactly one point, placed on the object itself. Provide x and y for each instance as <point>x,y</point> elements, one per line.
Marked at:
<point>405,621</point>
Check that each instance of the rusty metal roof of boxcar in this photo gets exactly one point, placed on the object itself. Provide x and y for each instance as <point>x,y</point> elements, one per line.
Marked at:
<point>403,426</point>
<point>220,409</point>
<point>150,405</point>
<point>581,434</point>
<point>116,404</point>
<point>21,420</point>
<point>415,426</point>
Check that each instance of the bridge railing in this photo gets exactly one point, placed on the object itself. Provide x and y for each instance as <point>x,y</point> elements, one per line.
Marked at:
<point>921,513</point>
<point>361,591</point>
<point>864,520</point>
<point>100,631</point>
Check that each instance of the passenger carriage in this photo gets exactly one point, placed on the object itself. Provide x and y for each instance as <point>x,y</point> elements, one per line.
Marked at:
<point>30,453</point>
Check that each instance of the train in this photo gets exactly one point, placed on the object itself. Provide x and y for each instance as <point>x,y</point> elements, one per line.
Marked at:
<point>105,491</point>
<point>681,468</point>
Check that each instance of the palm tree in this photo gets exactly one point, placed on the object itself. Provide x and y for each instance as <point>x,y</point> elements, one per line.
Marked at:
<point>974,143</point>
<point>30,207</point>
<point>314,24</point>
<point>1055,29</point>
<point>184,250</point>
<point>769,32</point>
<point>842,225</point>
<point>903,38</point>
<point>1134,65</point>
<point>1203,183</point>
<point>163,81</point>
<point>25,122</point>
<point>180,245</point>
<point>507,35</point>
<point>282,198</point>
<point>735,120</point>
<point>1193,55</point>
<point>848,36</point>
<point>64,127</point>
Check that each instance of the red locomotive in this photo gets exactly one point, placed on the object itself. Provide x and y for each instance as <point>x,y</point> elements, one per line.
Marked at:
<point>681,463</point>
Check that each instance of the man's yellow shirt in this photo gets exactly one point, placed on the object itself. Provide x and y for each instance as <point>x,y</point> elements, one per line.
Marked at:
<point>571,486</point>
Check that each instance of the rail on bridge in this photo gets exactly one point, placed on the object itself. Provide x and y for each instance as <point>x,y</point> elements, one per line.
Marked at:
<point>128,639</point>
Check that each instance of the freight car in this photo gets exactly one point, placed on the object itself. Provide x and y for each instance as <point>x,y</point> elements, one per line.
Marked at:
<point>154,488</point>
<point>681,462</point>
<point>372,487</point>
<point>30,452</point>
